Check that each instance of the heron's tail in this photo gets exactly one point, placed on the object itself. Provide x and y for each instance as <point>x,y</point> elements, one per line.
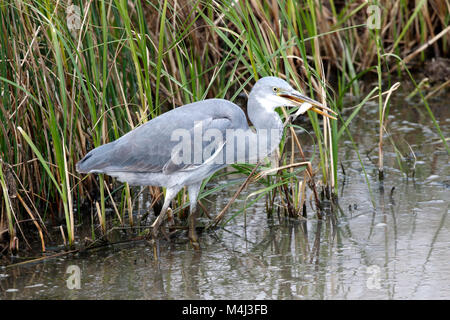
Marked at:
<point>96,160</point>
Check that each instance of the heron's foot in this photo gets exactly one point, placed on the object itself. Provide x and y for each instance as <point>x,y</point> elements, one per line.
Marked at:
<point>193,238</point>
<point>155,245</point>
<point>195,245</point>
<point>194,242</point>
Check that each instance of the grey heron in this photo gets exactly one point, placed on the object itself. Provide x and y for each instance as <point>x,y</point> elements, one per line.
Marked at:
<point>153,153</point>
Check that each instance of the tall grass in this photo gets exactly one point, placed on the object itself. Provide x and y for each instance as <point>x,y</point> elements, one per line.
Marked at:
<point>9,210</point>
<point>67,88</point>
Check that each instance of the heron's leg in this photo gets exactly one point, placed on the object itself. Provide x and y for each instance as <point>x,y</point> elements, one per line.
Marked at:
<point>193,191</point>
<point>170,194</point>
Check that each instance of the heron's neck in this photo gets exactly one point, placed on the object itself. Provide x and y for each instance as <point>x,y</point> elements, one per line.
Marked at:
<point>261,117</point>
<point>267,123</point>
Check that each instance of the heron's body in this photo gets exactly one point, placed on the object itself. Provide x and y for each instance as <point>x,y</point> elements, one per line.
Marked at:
<point>145,156</point>
<point>140,158</point>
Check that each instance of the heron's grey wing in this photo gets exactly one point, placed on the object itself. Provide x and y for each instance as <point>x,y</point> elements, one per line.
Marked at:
<point>199,145</point>
<point>150,147</point>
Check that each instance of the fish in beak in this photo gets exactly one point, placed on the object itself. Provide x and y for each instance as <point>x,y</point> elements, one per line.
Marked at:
<point>315,106</point>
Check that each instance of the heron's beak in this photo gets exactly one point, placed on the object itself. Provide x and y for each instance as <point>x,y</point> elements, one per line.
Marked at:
<point>299,99</point>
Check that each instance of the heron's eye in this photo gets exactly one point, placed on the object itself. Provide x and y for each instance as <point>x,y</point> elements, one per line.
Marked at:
<point>275,89</point>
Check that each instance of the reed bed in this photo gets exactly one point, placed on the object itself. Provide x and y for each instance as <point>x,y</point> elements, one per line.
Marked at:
<point>77,74</point>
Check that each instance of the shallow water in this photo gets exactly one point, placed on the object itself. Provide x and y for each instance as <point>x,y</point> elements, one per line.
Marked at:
<point>398,250</point>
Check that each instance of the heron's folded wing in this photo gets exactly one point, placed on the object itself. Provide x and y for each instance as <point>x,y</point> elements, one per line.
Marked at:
<point>153,148</point>
<point>200,145</point>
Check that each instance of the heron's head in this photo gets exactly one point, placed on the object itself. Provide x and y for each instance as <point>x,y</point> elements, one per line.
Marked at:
<point>273,92</point>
